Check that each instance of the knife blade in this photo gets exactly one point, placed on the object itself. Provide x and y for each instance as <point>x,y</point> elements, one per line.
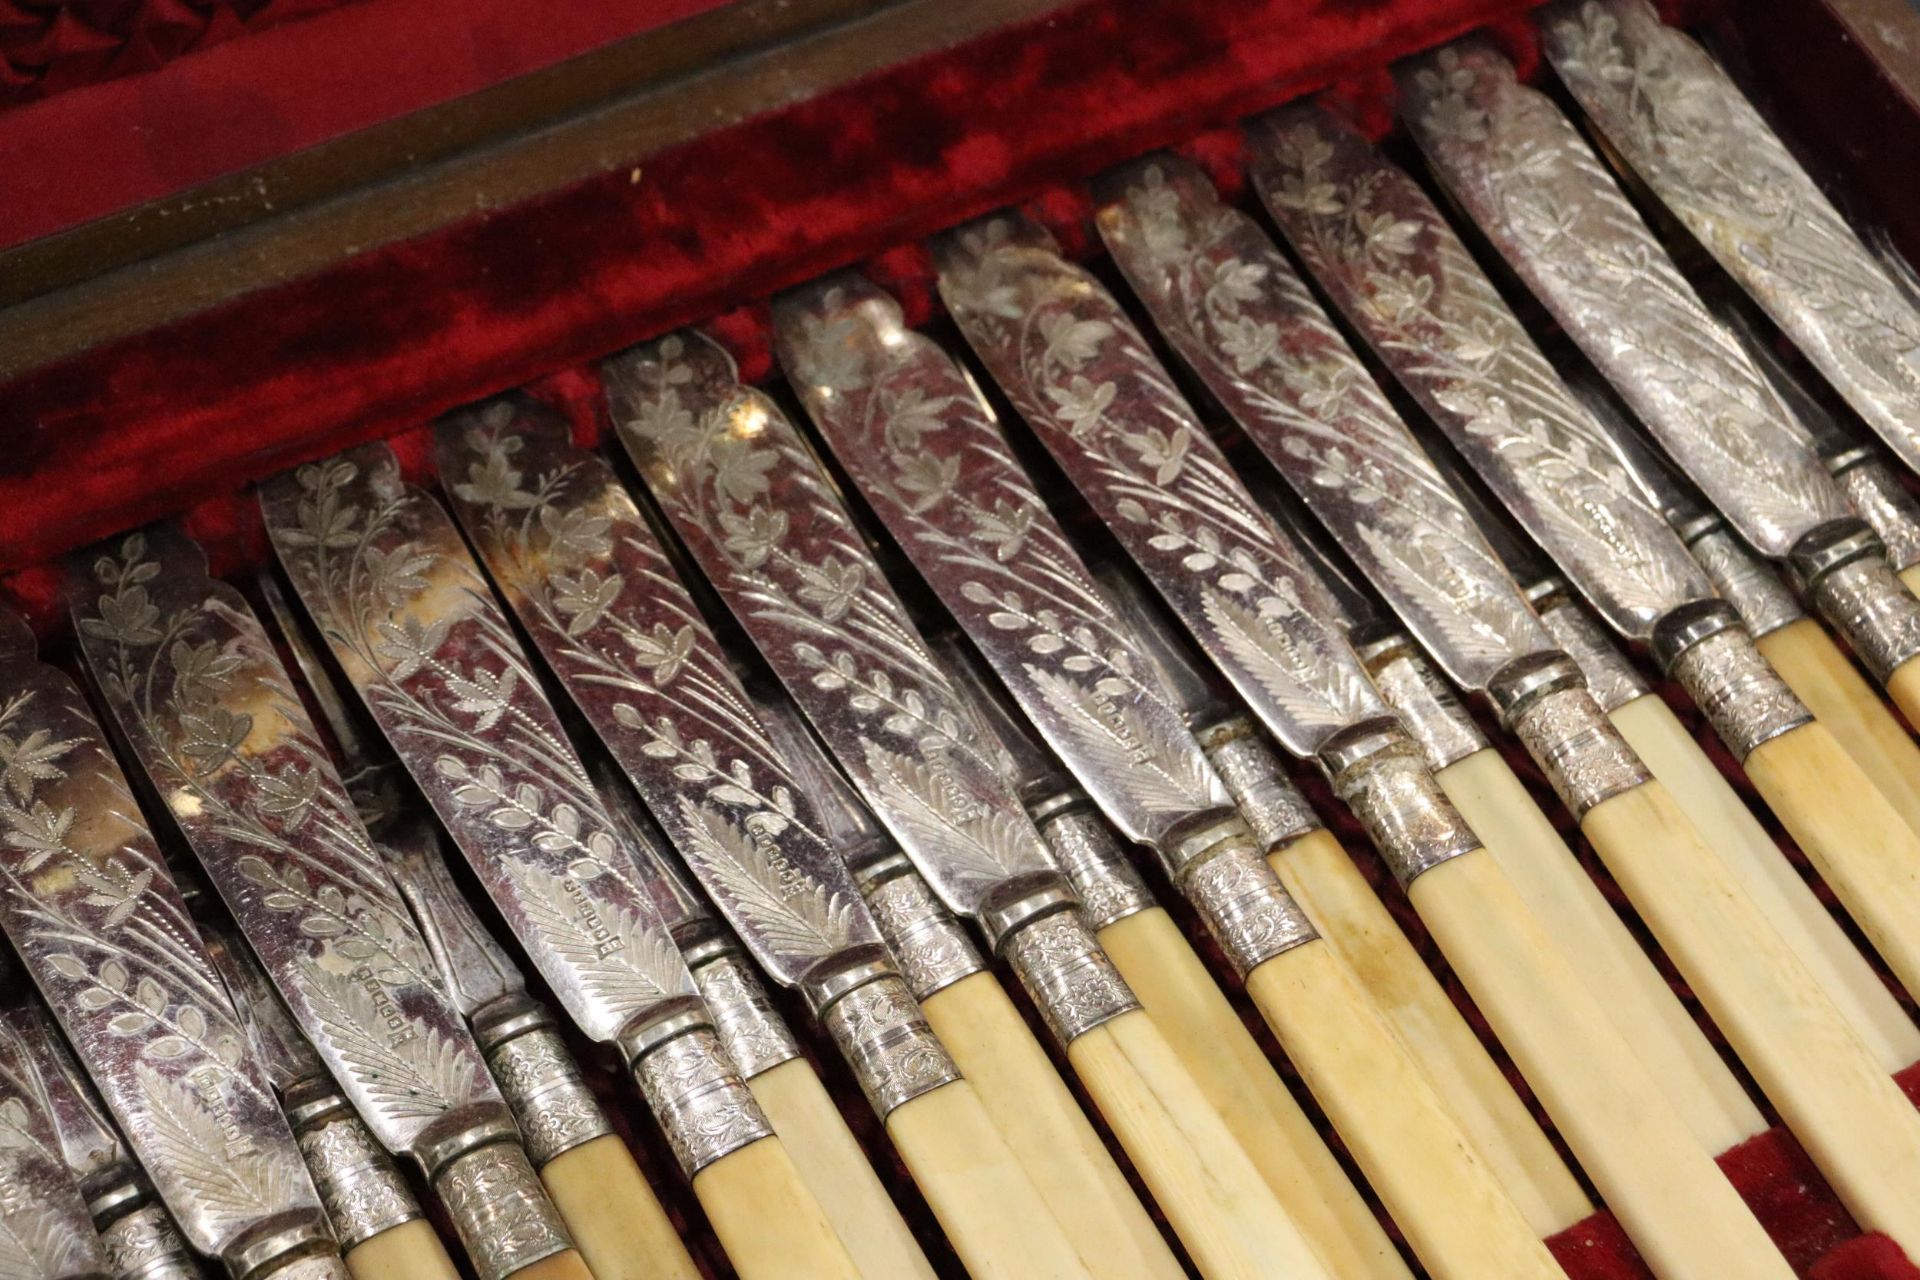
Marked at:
<point>213,719</point>
<point>46,1232</point>
<point>100,926</point>
<point>1684,127</point>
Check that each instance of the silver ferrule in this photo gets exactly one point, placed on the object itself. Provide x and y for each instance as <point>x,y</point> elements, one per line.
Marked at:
<point>143,1244</point>
<point>1274,808</point>
<point>1882,501</point>
<point>312,1266</point>
<point>1069,978</point>
<point>1715,660</point>
<point>1543,699</point>
<point>930,946</point>
<point>752,1031</point>
<point>1842,570</point>
<point>1247,910</point>
<point>698,1097</point>
<point>1750,584</point>
<point>879,1029</point>
<point>538,1076</point>
<point>360,1186</point>
<point>1431,712</point>
<point>499,1210</point>
<point>296,1245</point>
<point>1383,777</point>
<point>1097,867</point>
<point>1612,678</point>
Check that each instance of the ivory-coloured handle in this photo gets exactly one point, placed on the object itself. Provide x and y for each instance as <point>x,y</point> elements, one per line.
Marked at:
<point>410,1251</point>
<point>1911,576</point>
<point>988,1206</point>
<point>1660,1181</point>
<point>1178,993</point>
<point>565,1265</point>
<point>767,1220</point>
<point>1903,686</point>
<point>1801,920</point>
<point>1859,843</point>
<point>1457,1218</point>
<point>613,1215</point>
<point>1050,1136</point>
<point>1223,1212</point>
<point>836,1170</point>
<point>1846,1111</point>
<point>1840,697</point>
<point>1612,965</point>
<point>1346,911</point>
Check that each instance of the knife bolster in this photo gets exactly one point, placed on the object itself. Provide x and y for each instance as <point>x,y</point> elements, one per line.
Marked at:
<point>1843,571</point>
<point>1743,579</point>
<point>500,1209</point>
<point>932,948</point>
<point>143,1244</point>
<point>1247,910</point>
<point>1544,700</point>
<point>1276,810</point>
<point>752,1031</point>
<point>1877,494</point>
<point>294,1245</point>
<point>1742,696</point>
<point>695,1093</point>
<point>1611,676</point>
<point>362,1190</point>
<point>538,1077</point>
<point>1110,888</point>
<point>1070,979</point>
<point>879,1029</point>
<point>1429,710</point>
<point>1384,779</point>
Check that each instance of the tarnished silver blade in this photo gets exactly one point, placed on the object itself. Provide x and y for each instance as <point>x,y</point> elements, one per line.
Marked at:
<point>1090,387</point>
<point>1230,303</point>
<point>925,450</point>
<point>97,921</point>
<point>1034,770</point>
<point>475,969</point>
<point>213,718</point>
<point>1398,272</point>
<point>1198,689</point>
<point>578,564</point>
<point>46,1232</point>
<point>845,822</point>
<point>395,594</point>
<point>1547,204</point>
<point>1827,434</point>
<point>282,1052</point>
<point>89,1143</point>
<point>763,520</point>
<point>1689,133</point>
<point>1665,487</point>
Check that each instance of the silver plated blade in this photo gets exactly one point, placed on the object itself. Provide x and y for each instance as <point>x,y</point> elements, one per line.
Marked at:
<point>1401,276</point>
<point>1547,203</point>
<point>587,578</point>
<point>46,1232</point>
<point>1231,304</point>
<point>1694,139</point>
<point>912,431</point>
<point>845,821</point>
<point>90,1144</point>
<point>765,523</point>
<point>274,1038</point>
<point>206,706</point>
<point>97,921</point>
<point>383,572</point>
<point>1089,385</point>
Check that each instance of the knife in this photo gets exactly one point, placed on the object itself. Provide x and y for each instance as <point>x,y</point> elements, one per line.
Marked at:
<point>134,1229</point>
<point>204,704</point>
<point>894,406</point>
<point>100,927</point>
<point>754,509</point>
<point>583,1163</point>
<point>584,575</point>
<point>46,1232</point>
<point>384,574</point>
<point>1399,274</point>
<point>1543,198</point>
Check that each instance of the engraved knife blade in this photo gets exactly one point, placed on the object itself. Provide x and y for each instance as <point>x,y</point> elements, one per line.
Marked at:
<point>46,1232</point>
<point>921,444</point>
<point>1683,126</point>
<point>1401,276</point>
<point>101,927</point>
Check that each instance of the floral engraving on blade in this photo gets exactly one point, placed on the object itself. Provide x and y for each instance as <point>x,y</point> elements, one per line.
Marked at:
<point>1086,380</point>
<point>87,904</point>
<point>767,526</point>
<point>920,444</point>
<point>1379,246</point>
<point>192,676</point>
<point>1231,303</point>
<point>404,608</point>
<point>1712,159</point>
<point>1543,197</point>
<point>44,1227</point>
